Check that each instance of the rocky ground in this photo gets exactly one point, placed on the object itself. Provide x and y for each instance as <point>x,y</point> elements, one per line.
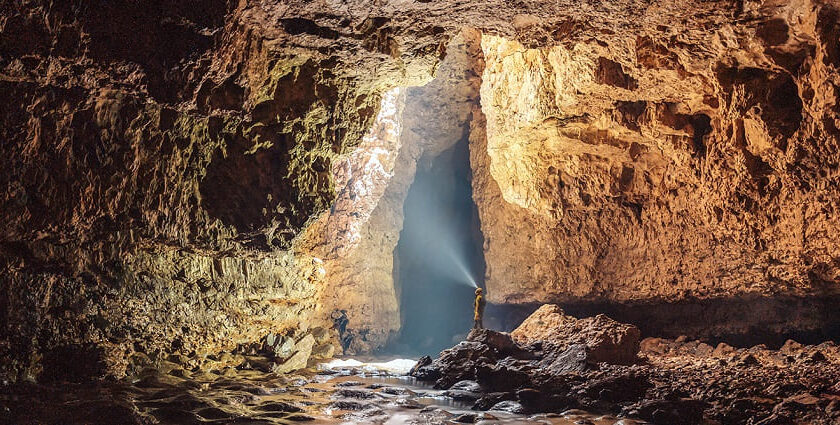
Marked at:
<point>347,393</point>
<point>553,363</point>
<point>187,177</point>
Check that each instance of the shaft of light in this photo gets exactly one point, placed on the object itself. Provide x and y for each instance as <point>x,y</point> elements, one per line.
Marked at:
<point>467,276</point>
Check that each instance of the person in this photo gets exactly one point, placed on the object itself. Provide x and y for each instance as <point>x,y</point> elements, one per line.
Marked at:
<point>479,309</point>
<point>340,322</point>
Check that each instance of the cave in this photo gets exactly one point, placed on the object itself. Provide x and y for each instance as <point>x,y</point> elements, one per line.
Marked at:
<point>270,212</point>
<point>439,255</point>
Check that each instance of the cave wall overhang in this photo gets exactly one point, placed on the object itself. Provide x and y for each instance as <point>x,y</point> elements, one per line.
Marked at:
<point>160,163</point>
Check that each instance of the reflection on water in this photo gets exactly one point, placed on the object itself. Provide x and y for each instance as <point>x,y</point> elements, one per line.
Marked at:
<point>341,392</point>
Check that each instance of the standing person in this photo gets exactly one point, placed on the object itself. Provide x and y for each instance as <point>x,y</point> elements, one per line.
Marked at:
<point>340,322</point>
<point>479,309</point>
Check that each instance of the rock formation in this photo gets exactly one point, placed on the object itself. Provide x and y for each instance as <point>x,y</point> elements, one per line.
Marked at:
<point>691,162</point>
<point>159,162</point>
<point>358,235</point>
<point>553,364</point>
<point>187,178</point>
<point>605,339</point>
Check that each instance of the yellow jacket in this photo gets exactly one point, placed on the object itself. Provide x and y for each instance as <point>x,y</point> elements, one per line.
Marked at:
<point>479,307</point>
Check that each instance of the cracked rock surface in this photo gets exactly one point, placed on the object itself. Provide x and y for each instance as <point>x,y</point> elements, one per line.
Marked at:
<point>172,178</point>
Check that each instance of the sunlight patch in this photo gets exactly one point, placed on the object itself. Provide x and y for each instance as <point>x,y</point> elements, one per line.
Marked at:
<point>396,366</point>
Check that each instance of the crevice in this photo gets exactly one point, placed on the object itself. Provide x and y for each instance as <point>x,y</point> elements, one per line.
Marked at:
<point>439,252</point>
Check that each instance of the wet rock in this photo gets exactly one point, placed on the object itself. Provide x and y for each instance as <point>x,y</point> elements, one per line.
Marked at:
<point>665,412</point>
<point>349,384</point>
<point>505,374</point>
<point>354,394</point>
<point>501,343</point>
<point>456,364</point>
<point>488,400</point>
<point>174,415</point>
<point>394,390</point>
<point>406,403</point>
<point>575,358</point>
<point>213,413</point>
<point>628,386</point>
<point>546,400</point>
<point>465,418</point>
<point>350,405</point>
<point>468,391</point>
<point>466,385</point>
<point>434,415</point>
<point>509,406</point>
<point>278,406</point>
<point>573,413</point>
<point>423,361</point>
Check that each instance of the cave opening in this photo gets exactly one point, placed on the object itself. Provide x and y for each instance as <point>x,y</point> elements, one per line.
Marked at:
<point>439,259</point>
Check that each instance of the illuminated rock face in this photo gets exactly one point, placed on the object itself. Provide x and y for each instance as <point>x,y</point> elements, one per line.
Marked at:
<point>168,172</point>
<point>681,165</point>
<point>357,237</point>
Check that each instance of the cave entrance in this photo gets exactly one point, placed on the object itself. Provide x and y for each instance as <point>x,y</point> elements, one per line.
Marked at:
<point>438,253</point>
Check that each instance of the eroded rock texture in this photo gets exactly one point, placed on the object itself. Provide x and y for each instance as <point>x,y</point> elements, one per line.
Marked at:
<point>176,181</point>
<point>672,162</point>
<point>160,158</point>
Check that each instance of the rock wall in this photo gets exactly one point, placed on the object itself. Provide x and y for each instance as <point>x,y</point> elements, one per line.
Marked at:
<point>163,161</point>
<point>158,161</point>
<point>657,166</point>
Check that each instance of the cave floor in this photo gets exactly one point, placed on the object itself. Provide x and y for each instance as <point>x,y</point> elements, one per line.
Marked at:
<point>338,395</point>
<point>794,385</point>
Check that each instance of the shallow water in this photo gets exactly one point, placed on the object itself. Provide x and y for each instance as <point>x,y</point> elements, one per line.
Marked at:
<point>347,393</point>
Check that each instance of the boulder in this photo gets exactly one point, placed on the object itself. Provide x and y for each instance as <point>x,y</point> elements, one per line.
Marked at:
<point>575,358</point>
<point>456,364</point>
<point>605,339</point>
<point>500,342</point>
<point>509,406</point>
<point>464,391</point>
<point>300,358</point>
<point>488,400</point>
<point>506,374</point>
<point>278,345</point>
<point>422,362</point>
